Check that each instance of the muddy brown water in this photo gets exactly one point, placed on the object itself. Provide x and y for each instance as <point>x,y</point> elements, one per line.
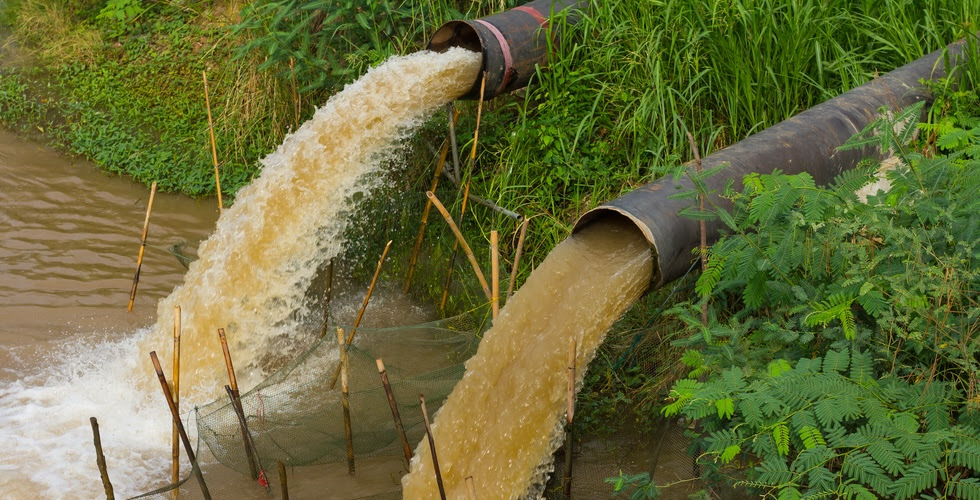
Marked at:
<point>69,238</point>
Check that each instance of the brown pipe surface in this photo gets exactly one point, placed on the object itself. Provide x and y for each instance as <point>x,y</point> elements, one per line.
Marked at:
<point>806,142</point>
<point>512,42</point>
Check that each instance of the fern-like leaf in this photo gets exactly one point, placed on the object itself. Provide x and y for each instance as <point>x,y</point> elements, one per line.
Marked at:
<point>781,434</point>
<point>773,471</point>
<point>918,478</point>
<point>789,493</point>
<point>710,277</point>
<point>968,488</point>
<point>859,465</point>
<point>835,361</point>
<point>965,455</point>
<point>811,437</point>
<point>887,455</point>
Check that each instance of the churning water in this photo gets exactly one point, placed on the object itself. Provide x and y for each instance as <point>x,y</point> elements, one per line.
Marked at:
<point>249,279</point>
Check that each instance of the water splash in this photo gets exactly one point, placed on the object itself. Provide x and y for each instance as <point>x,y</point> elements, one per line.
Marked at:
<point>253,271</point>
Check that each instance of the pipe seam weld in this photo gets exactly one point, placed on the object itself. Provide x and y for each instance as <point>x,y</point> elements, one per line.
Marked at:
<point>505,49</point>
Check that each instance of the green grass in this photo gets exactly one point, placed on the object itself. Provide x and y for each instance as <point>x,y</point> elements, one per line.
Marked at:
<point>133,102</point>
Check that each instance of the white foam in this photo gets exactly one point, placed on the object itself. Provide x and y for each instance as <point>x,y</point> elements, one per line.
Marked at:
<point>47,435</point>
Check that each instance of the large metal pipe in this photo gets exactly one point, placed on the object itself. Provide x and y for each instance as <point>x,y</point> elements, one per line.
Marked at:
<point>806,142</point>
<point>512,42</point>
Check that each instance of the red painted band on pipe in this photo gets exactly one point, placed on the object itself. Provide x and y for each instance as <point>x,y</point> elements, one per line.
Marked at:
<point>543,21</point>
<point>505,49</point>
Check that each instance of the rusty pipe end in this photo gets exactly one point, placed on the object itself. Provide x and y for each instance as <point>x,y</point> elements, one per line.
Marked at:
<point>462,34</point>
<point>513,43</point>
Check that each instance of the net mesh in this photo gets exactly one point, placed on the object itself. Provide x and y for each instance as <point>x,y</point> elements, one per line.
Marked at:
<point>296,419</point>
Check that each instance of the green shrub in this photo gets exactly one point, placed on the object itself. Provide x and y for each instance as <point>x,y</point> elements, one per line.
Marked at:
<point>840,358</point>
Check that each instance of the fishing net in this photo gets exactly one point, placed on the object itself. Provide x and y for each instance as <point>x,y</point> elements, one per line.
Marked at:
<point>295,418</point>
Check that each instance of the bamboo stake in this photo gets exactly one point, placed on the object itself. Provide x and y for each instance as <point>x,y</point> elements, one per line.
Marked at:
<point>517,258</point>
<point>139,258</point>
<point>569,415</point>
<point>345,400</point>
<point>432,448</point>
<point>228,364</point>
<point>494,274</point>
<point>360,313</point>
<point>297,105</point>
<point>462,243</point>
<point>326,300</point>
<point>452,257</point>
<point>406,448</point>
<point>282,481</point>
<point>175,438</point>
<point>703,228</point>
<point>452,114</point>
<point>470,488</point>
<point>214,148</point>
<point>253,458</point>
<point>180,425</point>
<point>100,460</point>
<point>425,212</point>
<point>237,406</point>
<point>476,131</point>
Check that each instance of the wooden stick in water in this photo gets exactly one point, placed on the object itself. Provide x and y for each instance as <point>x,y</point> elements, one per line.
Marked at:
<point>360,313</point>
<point>569,415</point>
<point>432,448</point>
<point>394,411</point>
<point>517,258</point>
<point>452,257</point>
<point>139,258</point>
<point>282,481</point>
<point>345,400</point>
<point>100,460</point>
<point>494,274</point>
<point>326,300</point>
<point>180,425</point>
<point>175,438</point>
<point>470,488</point>
<point>237,404</point>
<point>462,243</point>
<point>214,148</point>
<point>425,213</point>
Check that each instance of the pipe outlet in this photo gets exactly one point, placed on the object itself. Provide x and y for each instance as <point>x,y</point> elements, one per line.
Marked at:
<point>512,42</point>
